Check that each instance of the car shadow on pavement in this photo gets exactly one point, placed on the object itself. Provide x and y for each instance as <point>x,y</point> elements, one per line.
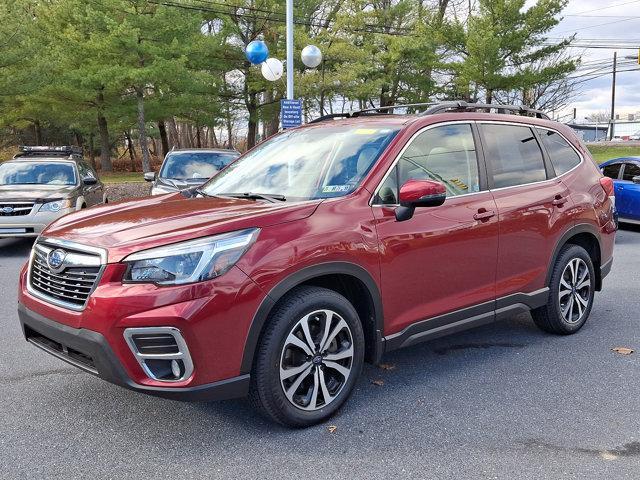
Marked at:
<point>428,386</point>
<point>15,247</point>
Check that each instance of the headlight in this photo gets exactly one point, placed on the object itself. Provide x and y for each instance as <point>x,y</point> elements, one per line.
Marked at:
<point>55,206</point>
<point>188,262</point>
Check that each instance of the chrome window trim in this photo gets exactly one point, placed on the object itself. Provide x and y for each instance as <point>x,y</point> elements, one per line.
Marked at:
<point>399,156</point>
<point>477,122</point>
<point>56,242</point>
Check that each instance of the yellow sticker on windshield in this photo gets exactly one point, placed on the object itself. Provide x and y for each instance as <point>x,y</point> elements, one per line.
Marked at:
<point>365,131</point>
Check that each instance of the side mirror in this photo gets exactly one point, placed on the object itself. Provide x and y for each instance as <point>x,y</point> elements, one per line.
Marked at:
<point>89,180</point>
<point>636,179</point>
<point>419,193</point>
<point>150,176</point>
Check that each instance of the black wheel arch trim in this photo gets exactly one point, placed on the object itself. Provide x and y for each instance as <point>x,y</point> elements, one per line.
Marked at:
<point>301,276</point>
<point>573,231</point>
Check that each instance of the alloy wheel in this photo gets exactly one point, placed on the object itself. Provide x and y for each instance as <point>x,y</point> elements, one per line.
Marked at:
<point>575,290</point>
<point>316,360</point>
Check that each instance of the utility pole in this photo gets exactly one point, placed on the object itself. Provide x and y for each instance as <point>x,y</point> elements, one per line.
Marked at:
<point>289,12</point>
<point>613,94</point>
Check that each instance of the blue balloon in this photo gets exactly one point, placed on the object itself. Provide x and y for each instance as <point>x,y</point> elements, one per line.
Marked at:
<point>257,52</point>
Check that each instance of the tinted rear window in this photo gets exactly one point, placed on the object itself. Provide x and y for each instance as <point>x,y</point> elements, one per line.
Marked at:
<point>514,155</point>
<point>563,156</point>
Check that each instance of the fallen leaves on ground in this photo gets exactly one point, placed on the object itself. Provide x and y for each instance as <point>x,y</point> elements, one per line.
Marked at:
<point>622,350</point>
<point>387,366</point>
<point>378,382</point>
<point>332,428</point>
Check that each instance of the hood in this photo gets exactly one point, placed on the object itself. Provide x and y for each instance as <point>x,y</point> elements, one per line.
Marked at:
<point>130,226</point>
<point>35,192</point>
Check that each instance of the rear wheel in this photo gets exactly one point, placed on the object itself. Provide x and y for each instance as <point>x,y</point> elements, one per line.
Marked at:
<point>309,358</point>
<point>571,292</point>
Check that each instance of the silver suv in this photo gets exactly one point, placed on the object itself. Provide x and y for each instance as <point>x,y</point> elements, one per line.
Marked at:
<point>183,169</point>
<point>41,184</point>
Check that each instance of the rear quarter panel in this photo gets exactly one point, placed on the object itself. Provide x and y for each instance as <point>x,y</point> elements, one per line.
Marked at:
<point>591,205</point>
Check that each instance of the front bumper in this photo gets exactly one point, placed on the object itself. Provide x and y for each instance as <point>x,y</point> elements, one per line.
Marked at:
<point>30,225</point>
<point>90,351</point>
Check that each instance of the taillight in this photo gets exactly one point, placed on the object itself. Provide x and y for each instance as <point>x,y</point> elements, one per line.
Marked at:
<point>607,185</point>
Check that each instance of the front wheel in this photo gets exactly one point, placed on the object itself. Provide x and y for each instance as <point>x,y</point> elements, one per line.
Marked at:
<point>571,292</point>
<point>309,357</point>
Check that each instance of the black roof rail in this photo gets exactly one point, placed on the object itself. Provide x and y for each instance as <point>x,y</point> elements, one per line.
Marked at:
<point>443,107</point>
<point>44,151</point>
<point>391,107</point>
<point>461,106</point>
<point>330,116</point>
<point>369,111</point>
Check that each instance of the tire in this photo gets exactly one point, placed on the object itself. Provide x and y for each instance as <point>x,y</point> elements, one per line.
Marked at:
<point>326,377</point>
<point>567,314</point>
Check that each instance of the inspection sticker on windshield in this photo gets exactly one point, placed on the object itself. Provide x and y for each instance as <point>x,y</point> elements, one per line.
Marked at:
<point>365,131</point>
<point>335,188</point>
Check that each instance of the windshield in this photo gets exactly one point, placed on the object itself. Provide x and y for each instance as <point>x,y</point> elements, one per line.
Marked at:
<point>195,165</point>
<point>305,164</point>
<point>37,173</point>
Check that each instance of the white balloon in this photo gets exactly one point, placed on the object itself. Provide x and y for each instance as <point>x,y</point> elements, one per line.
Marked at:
<point>272,69</point>
<point>311,56</point>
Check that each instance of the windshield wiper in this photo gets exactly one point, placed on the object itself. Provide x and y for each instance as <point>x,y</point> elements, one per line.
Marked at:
<point>273,198</point>
<point>199,191</point>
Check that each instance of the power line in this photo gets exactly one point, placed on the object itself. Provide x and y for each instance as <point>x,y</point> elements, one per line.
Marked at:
<point>370,29</point>
<point>608,6</point>
<point>598,25</point>
<point>271,12</point>
<point>599,16</point>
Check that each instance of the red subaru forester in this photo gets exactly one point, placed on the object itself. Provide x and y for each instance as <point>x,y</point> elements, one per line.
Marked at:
<point>325,246</point>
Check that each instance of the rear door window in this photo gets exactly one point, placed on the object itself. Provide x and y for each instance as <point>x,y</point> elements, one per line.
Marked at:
<point>513,154</point>
<point>612,171</point>
<point>563,156</point>
<point>630,170</point>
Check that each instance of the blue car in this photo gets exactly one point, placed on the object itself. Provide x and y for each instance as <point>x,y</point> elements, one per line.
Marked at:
<point>625,172</point>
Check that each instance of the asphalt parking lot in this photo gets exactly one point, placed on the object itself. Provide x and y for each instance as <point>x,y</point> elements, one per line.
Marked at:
<point>502,401</point>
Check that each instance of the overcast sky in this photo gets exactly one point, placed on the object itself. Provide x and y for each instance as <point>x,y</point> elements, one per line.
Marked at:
<point>604,22</point>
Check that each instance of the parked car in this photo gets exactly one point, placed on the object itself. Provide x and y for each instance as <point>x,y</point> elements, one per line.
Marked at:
<point>41,184</point>
<point>625,172</point>
<point>635,136</point>
<point>323,247</point>
<point>182,169</point>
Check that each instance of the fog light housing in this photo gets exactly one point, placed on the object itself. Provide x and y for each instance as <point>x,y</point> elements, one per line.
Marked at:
<point>161,352</point>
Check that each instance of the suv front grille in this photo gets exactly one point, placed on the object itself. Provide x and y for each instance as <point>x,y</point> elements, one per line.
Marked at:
<point>68,285</point>
<point>15,209</point>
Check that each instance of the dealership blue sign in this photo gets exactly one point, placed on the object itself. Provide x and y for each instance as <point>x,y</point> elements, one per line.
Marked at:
<point>291,113</point>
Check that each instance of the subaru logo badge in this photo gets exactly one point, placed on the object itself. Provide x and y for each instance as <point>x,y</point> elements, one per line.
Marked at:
<point>7,210</point>
<point>55,260</point>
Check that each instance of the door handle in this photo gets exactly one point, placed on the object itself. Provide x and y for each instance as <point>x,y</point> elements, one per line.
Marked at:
<point>484,214</point>
<point>559,201</point>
